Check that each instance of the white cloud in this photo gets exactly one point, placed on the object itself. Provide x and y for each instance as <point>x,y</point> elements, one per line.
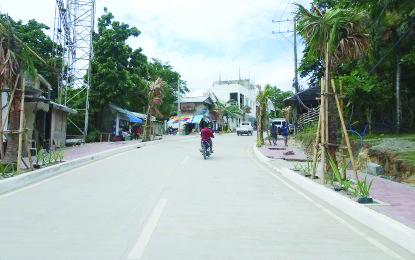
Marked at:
<point>200,39</point>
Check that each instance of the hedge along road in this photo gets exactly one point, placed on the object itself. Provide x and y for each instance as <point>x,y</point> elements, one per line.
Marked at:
<point>166,202</point>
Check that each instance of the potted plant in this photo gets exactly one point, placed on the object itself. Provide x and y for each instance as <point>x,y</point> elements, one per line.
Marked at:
<point>362,191</point>
<point>40,157</point>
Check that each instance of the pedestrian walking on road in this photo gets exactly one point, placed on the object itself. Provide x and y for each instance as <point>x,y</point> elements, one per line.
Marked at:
<point>284,132</point>
<point>274,134</point>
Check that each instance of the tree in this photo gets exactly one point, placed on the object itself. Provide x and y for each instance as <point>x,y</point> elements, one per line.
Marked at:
<point>261,117</point>
<point>16,62</point>
<point>171,79</point>
<point>334,36</point>
<point>392,32</point>
<point>231,110</point>
<point>33,36</point>
<point>155,94</point>
<point>115,68</point>
<point>277,97</point>
<point>227,109</point>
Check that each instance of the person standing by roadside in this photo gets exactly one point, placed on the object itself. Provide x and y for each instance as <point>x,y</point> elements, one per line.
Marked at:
<point>274,133</point>
<point>284,132</point>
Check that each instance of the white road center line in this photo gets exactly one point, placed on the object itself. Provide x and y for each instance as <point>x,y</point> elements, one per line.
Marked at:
<point>373,241</point>
<point>185,159</point>
<point>141,244</point>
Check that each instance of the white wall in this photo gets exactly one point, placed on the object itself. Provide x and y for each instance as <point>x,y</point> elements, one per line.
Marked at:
<point>223,91</point>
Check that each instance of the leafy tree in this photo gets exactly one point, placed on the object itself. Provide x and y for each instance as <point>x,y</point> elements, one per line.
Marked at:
<point>114,63</point>
<point>277,97</point>
<point>392,32</point>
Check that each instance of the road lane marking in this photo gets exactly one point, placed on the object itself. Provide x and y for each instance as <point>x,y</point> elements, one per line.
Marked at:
<point>185,159</point>
<point>141,244</point>
<point>371,240</point>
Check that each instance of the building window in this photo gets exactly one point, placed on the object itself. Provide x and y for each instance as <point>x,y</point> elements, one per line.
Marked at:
<point>233,96</point>
<point>241,100</point>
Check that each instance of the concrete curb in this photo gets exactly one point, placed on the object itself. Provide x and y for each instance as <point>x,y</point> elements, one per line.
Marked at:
<point>25,179</point>
<point>386,226</point>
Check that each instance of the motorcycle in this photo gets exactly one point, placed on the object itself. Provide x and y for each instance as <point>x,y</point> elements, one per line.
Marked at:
<point>205,150</point>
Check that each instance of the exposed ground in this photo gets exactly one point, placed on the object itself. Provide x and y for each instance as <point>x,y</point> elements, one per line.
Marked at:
<point>394,152</point>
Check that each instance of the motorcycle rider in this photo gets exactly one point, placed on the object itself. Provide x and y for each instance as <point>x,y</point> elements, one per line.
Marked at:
<point>206,133</point>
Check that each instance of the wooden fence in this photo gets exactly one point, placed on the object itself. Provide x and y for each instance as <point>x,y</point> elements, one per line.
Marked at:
<point>307,118</point>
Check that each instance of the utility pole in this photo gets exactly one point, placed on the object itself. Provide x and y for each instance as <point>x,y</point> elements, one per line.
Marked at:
<point>295,57</point>
<point>178,106</point>
<point>295,47</point>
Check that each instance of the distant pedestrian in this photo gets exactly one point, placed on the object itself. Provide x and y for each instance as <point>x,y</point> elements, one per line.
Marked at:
<point>284,132</point>
<point>274,134</point>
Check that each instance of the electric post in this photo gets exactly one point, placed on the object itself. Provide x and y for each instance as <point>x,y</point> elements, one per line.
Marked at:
<point>178,106</point>
<point>295,48</point>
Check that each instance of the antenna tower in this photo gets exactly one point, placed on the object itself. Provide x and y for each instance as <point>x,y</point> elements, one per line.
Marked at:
<point>74,25</point>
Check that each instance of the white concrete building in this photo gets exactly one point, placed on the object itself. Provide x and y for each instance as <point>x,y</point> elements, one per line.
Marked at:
<point>242,91</point>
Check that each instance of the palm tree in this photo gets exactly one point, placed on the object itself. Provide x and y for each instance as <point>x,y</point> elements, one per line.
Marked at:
<point>245,110</point>
<point>15,58</point>
<point>155,94</point>
<point>231,110</point>
<point>219,109</point>
<point>334,36</point>
<point>261,112</point>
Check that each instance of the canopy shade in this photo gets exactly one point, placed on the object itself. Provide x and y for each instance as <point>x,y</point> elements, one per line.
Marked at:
<point>196,119</point>
<point>134,119</point>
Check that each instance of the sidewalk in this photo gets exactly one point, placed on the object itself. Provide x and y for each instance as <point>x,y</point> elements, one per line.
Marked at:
<point>397,200</point>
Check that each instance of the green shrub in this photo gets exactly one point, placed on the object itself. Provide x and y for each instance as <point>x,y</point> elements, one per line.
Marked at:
<point>8,170</point>
<point>93,136</point>
<point>307,137</point>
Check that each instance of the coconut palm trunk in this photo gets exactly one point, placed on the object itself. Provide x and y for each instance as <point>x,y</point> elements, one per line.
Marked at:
<point>13,138</point>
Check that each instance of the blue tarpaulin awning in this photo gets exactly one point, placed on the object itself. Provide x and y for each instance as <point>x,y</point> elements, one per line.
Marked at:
<point>196,119</point>
<point>134,119</point>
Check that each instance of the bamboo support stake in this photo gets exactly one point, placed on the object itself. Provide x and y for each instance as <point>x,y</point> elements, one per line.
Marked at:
<point>29,154</point>
<point>1,126</point>
<point>349,147</point>
<point>323,131</point>
<point>316,145</point>
<point>343,136</point>
<point>19,151</point>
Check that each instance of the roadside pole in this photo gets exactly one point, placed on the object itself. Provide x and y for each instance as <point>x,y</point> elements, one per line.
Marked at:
<point>178,106</point>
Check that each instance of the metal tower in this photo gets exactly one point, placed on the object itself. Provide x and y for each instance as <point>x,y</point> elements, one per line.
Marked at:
<point>74,26</point>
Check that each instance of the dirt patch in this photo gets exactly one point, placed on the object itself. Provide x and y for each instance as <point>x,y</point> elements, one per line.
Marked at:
<point>395,155</point>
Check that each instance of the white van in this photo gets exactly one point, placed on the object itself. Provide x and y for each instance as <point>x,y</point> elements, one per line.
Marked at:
<point>277,122</point>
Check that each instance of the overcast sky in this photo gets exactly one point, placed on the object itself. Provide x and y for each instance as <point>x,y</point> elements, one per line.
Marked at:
<point>200,39</point>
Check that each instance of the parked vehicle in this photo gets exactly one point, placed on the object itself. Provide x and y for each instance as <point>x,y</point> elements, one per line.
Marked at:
<point>278,123</point>
<point>245,128</point>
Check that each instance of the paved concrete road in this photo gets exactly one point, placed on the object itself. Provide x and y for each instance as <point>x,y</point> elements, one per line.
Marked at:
<point>166,202</point>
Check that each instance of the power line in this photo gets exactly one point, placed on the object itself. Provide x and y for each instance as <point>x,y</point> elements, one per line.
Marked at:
<point>284,46</point>
<point>287,39</point>
<point>285,8</point>
<point>277,9</point>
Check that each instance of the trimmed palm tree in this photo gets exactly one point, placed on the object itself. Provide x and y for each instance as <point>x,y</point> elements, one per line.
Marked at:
<point>335,36</point>
<point>15,58</point>
<point>261,112</point>
<point>155,94</point>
